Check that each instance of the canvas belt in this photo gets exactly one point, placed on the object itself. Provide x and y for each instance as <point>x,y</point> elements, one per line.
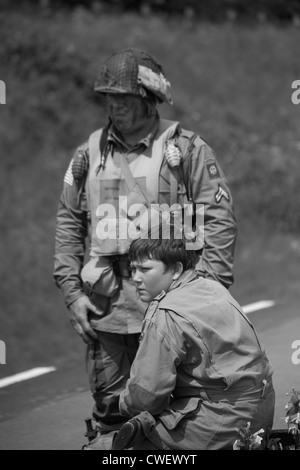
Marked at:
<point>244,392</point>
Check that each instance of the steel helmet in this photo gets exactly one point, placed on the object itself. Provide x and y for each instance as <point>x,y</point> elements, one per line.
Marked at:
<point>134,72</point>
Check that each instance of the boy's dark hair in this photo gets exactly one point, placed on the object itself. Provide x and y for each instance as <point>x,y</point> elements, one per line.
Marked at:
<point>169,250</point>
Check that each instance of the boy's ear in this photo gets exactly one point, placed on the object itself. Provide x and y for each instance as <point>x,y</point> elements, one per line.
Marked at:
<point>177,270</point>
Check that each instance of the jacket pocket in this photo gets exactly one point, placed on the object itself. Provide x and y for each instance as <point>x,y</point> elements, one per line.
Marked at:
<point>179,410</point>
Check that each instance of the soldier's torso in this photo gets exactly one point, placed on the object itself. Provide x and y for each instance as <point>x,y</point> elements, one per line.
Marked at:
<point>109,198</point>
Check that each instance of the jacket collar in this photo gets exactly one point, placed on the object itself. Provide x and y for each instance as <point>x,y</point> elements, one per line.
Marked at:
<point>115,138</point>
<point>185,278</point>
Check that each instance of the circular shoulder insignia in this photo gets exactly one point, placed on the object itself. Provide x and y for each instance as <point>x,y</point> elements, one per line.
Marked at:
<point>213,170</point>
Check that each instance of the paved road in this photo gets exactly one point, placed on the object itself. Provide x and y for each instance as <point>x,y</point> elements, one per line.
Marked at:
<point>48,413</point>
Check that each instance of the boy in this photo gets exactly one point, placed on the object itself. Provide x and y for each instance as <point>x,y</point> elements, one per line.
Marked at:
<point>200,371</point>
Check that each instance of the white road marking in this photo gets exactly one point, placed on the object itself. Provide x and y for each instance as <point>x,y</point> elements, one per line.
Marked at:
<point>261,305</point>
<point>29,374</point>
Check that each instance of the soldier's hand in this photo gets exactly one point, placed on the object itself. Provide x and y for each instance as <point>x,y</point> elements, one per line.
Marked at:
<point>78,311</point>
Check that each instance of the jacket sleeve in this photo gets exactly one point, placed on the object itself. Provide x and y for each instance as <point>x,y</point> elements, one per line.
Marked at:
<point>207,184</point>
<point>153,372</point>
<point>71,233</point>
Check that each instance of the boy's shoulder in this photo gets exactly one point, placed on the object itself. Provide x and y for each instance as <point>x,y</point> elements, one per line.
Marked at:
<point>201,294</point>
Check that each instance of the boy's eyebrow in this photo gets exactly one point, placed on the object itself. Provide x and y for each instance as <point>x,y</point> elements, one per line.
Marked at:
<point>135,264</point>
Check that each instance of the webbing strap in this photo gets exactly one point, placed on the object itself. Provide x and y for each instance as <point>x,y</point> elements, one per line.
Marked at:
<point>173,186</point>
<point>127,172</point>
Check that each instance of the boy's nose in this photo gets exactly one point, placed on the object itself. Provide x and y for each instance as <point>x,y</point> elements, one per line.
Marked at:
<point>136,277</point>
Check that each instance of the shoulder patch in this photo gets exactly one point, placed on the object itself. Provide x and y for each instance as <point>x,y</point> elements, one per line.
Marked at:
<point>69,179</point>
<point>213,170</point>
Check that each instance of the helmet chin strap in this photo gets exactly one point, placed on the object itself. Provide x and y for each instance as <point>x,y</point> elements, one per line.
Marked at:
<point>151,108</point>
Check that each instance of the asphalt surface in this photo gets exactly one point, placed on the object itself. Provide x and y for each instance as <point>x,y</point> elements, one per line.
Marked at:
<point>48,413</point>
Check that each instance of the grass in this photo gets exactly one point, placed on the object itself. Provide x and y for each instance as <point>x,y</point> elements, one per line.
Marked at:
<point>231,83</point>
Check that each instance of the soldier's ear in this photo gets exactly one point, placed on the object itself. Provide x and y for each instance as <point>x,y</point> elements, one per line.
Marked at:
<point>177,270</point>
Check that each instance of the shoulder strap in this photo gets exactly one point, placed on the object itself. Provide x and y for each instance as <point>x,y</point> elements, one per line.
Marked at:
<point>173,186</point>
<point>131,182</point>
<point>165,126</point>
<point>188,181</point>
<point>127,173</point>
<point>174,175</point>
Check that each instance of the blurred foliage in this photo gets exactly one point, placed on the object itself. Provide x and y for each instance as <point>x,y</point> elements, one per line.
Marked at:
<point>231,83</point>
<point>213,10</point>
<point>236,90</point>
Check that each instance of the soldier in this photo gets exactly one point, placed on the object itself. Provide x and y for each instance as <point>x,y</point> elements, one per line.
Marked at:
<point>138,158</point>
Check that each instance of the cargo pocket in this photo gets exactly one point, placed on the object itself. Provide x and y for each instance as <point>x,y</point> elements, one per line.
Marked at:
<point>179,410</point>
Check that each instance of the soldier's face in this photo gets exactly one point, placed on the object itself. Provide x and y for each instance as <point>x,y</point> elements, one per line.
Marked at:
<point>128,113</point>
<point>151,277</point>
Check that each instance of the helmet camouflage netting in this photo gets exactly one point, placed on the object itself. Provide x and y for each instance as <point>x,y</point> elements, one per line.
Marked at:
<point>135,72</point>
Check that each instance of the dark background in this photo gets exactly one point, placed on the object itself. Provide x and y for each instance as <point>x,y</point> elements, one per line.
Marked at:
<point>213,10</point>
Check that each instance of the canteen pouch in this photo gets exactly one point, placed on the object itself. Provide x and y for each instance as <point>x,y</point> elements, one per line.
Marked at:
<point>98,277</point>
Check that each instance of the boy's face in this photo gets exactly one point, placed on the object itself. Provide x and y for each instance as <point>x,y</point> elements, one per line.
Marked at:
<point>151,277</point>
